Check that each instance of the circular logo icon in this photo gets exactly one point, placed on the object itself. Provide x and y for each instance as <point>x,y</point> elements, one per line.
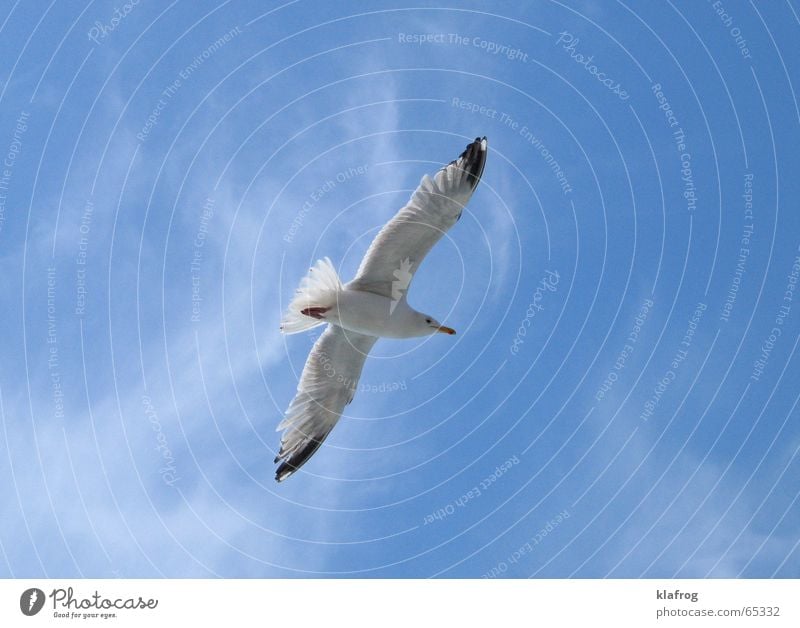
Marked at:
<point>31,601</point>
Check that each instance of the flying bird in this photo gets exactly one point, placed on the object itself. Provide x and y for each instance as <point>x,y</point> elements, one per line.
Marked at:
<point>371,306</point>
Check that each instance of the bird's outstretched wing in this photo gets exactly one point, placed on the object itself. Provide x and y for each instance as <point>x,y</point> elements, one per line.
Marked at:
<point>436,205</point>
<point>328,383</point>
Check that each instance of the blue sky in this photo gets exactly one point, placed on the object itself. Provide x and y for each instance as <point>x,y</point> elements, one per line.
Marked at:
<point>618,401</point>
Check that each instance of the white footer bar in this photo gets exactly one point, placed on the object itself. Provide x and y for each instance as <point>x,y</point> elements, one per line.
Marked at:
<point>388,603</point>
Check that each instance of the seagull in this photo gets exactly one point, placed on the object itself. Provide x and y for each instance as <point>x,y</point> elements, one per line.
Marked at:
<point>371,306</point>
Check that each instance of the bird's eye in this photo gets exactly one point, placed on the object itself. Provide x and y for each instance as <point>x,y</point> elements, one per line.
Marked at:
<point>427,320</point>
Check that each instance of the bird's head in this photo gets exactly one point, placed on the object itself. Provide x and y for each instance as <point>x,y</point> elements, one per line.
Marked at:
<point>429,325</point>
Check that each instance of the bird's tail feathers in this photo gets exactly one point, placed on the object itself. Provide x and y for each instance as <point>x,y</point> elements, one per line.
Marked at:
<point>318,290</point>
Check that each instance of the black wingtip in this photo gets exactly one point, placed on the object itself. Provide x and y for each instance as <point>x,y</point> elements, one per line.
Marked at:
<point>296,460</point>
<point>474,160</point>
<point>284,470</point>
<point>281,474</point>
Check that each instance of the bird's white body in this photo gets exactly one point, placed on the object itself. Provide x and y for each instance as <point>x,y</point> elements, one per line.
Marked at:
<point>371,306</point>
<point>376,315</point>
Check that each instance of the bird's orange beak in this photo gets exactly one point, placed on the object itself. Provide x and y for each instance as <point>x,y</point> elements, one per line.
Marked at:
<point>446,330</point>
